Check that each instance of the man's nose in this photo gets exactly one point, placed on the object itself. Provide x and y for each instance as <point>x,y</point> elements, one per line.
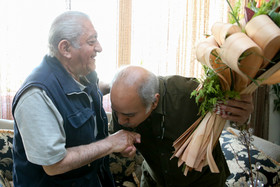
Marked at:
<point>98,47</point>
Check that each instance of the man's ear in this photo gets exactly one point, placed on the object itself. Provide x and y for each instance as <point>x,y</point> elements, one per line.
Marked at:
<point>155,103</point>
<point>64,48</point>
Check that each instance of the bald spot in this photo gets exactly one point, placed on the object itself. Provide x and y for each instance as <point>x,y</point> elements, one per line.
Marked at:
<point>124,89</point>
<point>132,76</point>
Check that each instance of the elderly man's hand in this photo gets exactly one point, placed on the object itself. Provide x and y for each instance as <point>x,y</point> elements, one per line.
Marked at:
<point>238,110</point>
<point>123,142</point>
<point>129,151</point>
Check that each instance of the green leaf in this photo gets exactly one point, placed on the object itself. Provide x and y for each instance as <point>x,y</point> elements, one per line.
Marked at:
<point>275,17</point>
<point>211,92</point>
<point>234,18</point>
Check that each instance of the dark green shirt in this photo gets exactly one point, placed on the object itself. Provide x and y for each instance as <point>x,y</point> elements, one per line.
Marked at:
<point>175,113</point>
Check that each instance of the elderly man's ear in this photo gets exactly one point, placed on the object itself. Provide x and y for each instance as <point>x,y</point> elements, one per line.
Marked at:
<point>64,48</point>
<point>155,103</point>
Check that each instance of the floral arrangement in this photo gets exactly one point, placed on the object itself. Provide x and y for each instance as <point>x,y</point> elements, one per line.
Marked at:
<point>237,57</point>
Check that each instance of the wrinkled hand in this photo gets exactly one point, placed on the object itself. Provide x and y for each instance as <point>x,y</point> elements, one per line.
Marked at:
<point>130,151</point>
<point>238,110</point>
<point>123,142</point>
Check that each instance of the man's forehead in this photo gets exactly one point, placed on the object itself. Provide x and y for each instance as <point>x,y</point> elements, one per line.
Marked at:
<point>123,109</point>
<point>125,101</point>
<point>122,90</point>
<point>89,30</point>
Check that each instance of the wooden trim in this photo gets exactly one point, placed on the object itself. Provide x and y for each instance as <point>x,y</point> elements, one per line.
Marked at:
<point>124,49</point>
<point>260,116</point>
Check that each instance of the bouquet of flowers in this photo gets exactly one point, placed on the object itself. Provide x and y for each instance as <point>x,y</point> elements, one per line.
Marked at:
<point>238,57</point>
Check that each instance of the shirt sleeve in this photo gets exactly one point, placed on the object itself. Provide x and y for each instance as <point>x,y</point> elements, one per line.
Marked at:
<point>41,127</point>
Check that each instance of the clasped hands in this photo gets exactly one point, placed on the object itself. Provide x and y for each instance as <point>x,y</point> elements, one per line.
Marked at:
<point>123,142</point>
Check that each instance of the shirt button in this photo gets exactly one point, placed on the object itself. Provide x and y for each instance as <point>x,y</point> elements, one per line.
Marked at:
<point>162,154</point>
<point>165,171</point>
<point>88,165</point>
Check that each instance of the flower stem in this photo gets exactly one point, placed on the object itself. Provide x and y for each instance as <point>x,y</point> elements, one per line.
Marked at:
<point>247,139</point>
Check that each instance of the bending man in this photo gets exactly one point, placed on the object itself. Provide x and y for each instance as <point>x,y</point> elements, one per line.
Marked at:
<point>160,110</point>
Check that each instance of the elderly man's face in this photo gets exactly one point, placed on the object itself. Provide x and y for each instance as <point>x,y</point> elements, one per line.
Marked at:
<point>83,58</point>
<point>128,107</point>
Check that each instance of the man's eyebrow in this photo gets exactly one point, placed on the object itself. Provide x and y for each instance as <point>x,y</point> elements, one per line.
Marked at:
<point>93,36</point>
<point>128,114</point>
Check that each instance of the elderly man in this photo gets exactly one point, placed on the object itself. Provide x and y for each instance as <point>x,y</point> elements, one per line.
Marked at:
<point>61,133</point>
<point>160,110</point>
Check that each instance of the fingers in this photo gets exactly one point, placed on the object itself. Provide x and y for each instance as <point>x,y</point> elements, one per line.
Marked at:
<point>238,110</point>
<point>130,151</point>
<point>137,137</point>
<point>247,97</point>
<point>245,102</point>
<point>123,140</point>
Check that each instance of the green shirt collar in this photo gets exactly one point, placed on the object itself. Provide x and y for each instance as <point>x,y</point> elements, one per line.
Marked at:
<point>162,90</point>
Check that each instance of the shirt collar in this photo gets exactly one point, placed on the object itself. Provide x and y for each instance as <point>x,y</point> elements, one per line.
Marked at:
<point>67,82</point>
<point>162,90</point>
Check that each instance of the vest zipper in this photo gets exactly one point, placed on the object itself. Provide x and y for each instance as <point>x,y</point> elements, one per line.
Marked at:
<point>100,110</point>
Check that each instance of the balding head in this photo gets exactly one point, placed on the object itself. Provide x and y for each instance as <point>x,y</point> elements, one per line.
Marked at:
<point>139,80</point>
<point>134,95</point>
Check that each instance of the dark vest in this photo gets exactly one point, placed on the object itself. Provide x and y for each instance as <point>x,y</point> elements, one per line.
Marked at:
<point>78,114</point>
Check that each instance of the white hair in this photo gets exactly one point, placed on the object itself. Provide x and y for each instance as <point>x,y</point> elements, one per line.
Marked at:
<point>67,26</point>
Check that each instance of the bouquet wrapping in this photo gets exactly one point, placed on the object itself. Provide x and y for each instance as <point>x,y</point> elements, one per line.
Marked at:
<point>241,56</point>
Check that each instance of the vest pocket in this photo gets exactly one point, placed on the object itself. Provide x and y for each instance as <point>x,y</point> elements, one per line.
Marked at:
<point>78,118</point>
